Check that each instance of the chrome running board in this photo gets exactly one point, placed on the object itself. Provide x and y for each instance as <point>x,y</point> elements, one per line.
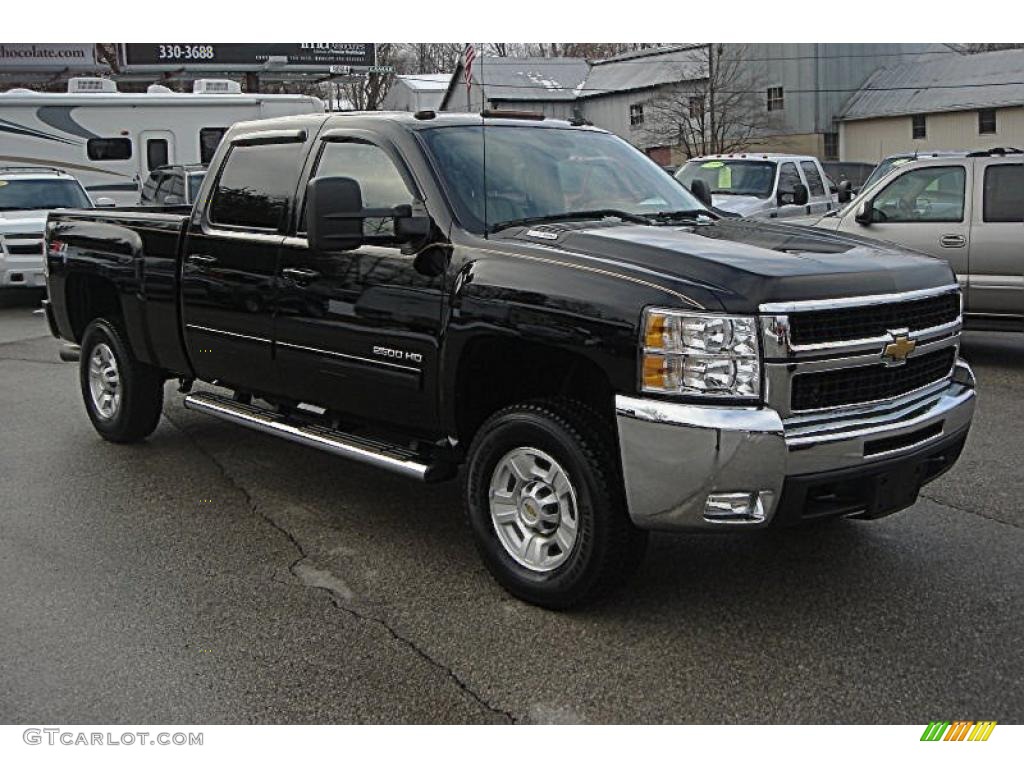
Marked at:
<point>378,454</point>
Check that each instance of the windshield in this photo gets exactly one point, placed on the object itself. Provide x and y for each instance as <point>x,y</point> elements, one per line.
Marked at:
<point>731,177</point>
<point>195,181</point>
<point>884,168</point>
<point>535,173</point>
<point>41,194</point>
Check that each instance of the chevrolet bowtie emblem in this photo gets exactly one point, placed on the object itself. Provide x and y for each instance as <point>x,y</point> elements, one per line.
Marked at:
<point>897,350</point>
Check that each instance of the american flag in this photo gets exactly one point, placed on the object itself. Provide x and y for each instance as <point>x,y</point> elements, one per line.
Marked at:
<point>468,57</point>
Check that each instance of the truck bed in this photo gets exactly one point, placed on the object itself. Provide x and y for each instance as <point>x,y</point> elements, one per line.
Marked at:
<point>137,250</point>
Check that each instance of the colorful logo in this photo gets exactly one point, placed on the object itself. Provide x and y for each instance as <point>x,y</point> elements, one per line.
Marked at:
<point>958,730</point>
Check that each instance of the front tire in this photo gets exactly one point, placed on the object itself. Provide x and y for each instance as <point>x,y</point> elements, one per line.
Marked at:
<point>123,397</point>
<point>545,502</point>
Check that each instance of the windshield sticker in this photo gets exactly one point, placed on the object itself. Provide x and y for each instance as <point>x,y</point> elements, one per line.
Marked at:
<point>725,177</point>
<point>712,164</point>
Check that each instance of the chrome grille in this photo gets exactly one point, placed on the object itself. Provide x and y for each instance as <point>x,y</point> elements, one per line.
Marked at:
<point>822,355</point>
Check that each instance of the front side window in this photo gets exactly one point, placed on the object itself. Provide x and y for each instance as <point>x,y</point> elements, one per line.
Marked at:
<point>934,194</point>
<point>256,186</point>
<point>109,149</point>
<point>1004,193</point>
<point>175,186</point>
<point>918,127</point>
<point>814,183</point>
<point>209,140</point>
<point>379,180</point>
<point>776,99</point>
<point>546,172</point>
<point>986,121</point>
<point>41,194</point>
<point>731,177</point>
<point>789,177</point>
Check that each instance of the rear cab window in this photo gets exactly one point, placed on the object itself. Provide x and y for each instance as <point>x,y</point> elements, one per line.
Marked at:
<point>255,187</point>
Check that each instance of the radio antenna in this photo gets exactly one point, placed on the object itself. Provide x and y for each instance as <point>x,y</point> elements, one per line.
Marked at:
<point>483,137</point>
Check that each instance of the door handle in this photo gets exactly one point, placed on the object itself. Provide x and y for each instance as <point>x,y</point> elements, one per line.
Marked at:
<point>201,259</point>
<point>952,241</point>
<point>300,274</point>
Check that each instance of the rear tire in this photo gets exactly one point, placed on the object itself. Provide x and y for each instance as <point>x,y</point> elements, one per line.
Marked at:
<point>123,397</point>
<point>545,502</point>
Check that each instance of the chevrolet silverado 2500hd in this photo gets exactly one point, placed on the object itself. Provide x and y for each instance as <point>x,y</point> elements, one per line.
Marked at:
<point>535,301</point>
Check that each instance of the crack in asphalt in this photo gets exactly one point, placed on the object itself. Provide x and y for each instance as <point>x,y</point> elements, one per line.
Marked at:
<point>339,600</point>
<point>967,511</point>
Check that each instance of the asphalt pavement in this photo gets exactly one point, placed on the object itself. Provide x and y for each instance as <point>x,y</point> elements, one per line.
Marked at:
<point>213,574</point>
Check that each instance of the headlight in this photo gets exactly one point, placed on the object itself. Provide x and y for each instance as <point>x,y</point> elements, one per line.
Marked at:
<point>701,355</point>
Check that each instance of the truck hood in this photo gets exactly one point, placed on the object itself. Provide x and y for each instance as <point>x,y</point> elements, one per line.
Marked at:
<point>22,222</point>
<point>737,264</point>
<point>741,204</point>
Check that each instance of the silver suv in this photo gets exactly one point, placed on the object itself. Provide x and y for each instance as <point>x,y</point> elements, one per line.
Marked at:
<point>968,211</point>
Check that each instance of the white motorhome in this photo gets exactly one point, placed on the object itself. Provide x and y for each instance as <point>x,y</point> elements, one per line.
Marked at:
<point>112,140</point>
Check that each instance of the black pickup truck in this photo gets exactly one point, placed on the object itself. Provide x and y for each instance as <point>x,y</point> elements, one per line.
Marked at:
<point>534,300</point>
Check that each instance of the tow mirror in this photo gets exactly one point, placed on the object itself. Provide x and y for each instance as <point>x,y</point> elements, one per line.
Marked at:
<point>845,191</point>
<point>335,217</point>
<point>700,189</point>
<point>800,195</point>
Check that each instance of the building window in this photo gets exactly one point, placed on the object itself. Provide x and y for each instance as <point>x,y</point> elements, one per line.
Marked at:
<point>696,105</point>
<point>109,149</point>
<point>831,146</point>
<point>918,129</point>
<point>636,114</point>
<point>776,100</point>
<point>986,121</point>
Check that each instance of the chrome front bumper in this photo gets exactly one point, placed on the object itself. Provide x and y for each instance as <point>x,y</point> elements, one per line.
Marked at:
<point>675,455</point>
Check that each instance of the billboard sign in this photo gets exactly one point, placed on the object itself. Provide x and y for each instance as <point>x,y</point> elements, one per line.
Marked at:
<point>247,57</point>
<point>46,57</point>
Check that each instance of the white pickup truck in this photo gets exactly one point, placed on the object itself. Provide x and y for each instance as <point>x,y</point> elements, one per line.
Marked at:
<point>27,195</point>
<point>763,185</point>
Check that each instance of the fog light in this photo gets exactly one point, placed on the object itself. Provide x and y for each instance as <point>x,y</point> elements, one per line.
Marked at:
<point>743,507</point>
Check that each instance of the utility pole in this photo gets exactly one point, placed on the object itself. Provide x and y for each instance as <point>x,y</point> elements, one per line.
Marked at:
<point>711,95</point>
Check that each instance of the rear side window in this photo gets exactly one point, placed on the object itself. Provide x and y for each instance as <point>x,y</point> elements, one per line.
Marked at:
<point>149,188</point>
<point>1004,193</point>
<point>814,182</point>
<point>209,140</point>
<point>109,149</point>
<point>256,186</point>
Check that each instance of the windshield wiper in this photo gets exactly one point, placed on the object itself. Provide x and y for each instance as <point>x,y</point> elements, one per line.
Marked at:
<point>600,213</point>
<point>692,213</point>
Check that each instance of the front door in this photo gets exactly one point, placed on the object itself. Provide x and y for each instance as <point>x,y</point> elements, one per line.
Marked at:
<point>997,239</point>
<point>926,209</point>
<point>358,331</point>
<point>229,275</point>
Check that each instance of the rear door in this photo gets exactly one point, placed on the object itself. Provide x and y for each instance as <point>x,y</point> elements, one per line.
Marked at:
<point>996,282</point>
<point>358,331</point>
<point>228,280</point>
<point>819,200</point>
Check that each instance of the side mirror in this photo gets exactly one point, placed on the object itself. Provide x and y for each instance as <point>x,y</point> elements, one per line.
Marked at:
<point>174,200</point>
<point>865,213</point>
<point>701,191</point>
<point>334,207</point>
<point>845,191</point>
<point>800,195</point>
<point>105,202</point>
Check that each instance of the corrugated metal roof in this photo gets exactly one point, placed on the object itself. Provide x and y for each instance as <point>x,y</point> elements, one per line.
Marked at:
<point>431,82</point>
<point>941,84</point>
<point>530,79</point>
<point>646,69</point>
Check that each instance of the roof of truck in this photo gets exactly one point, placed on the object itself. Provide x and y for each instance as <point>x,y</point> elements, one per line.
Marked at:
<point>32,172</point>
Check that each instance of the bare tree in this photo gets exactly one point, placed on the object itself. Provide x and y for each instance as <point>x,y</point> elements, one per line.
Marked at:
<point>718,105</point>
<point>367,93</point>
<point>983,47</point>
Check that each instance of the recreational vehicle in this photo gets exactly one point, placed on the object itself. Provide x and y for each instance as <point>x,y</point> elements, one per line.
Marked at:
<point>111,141</point>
